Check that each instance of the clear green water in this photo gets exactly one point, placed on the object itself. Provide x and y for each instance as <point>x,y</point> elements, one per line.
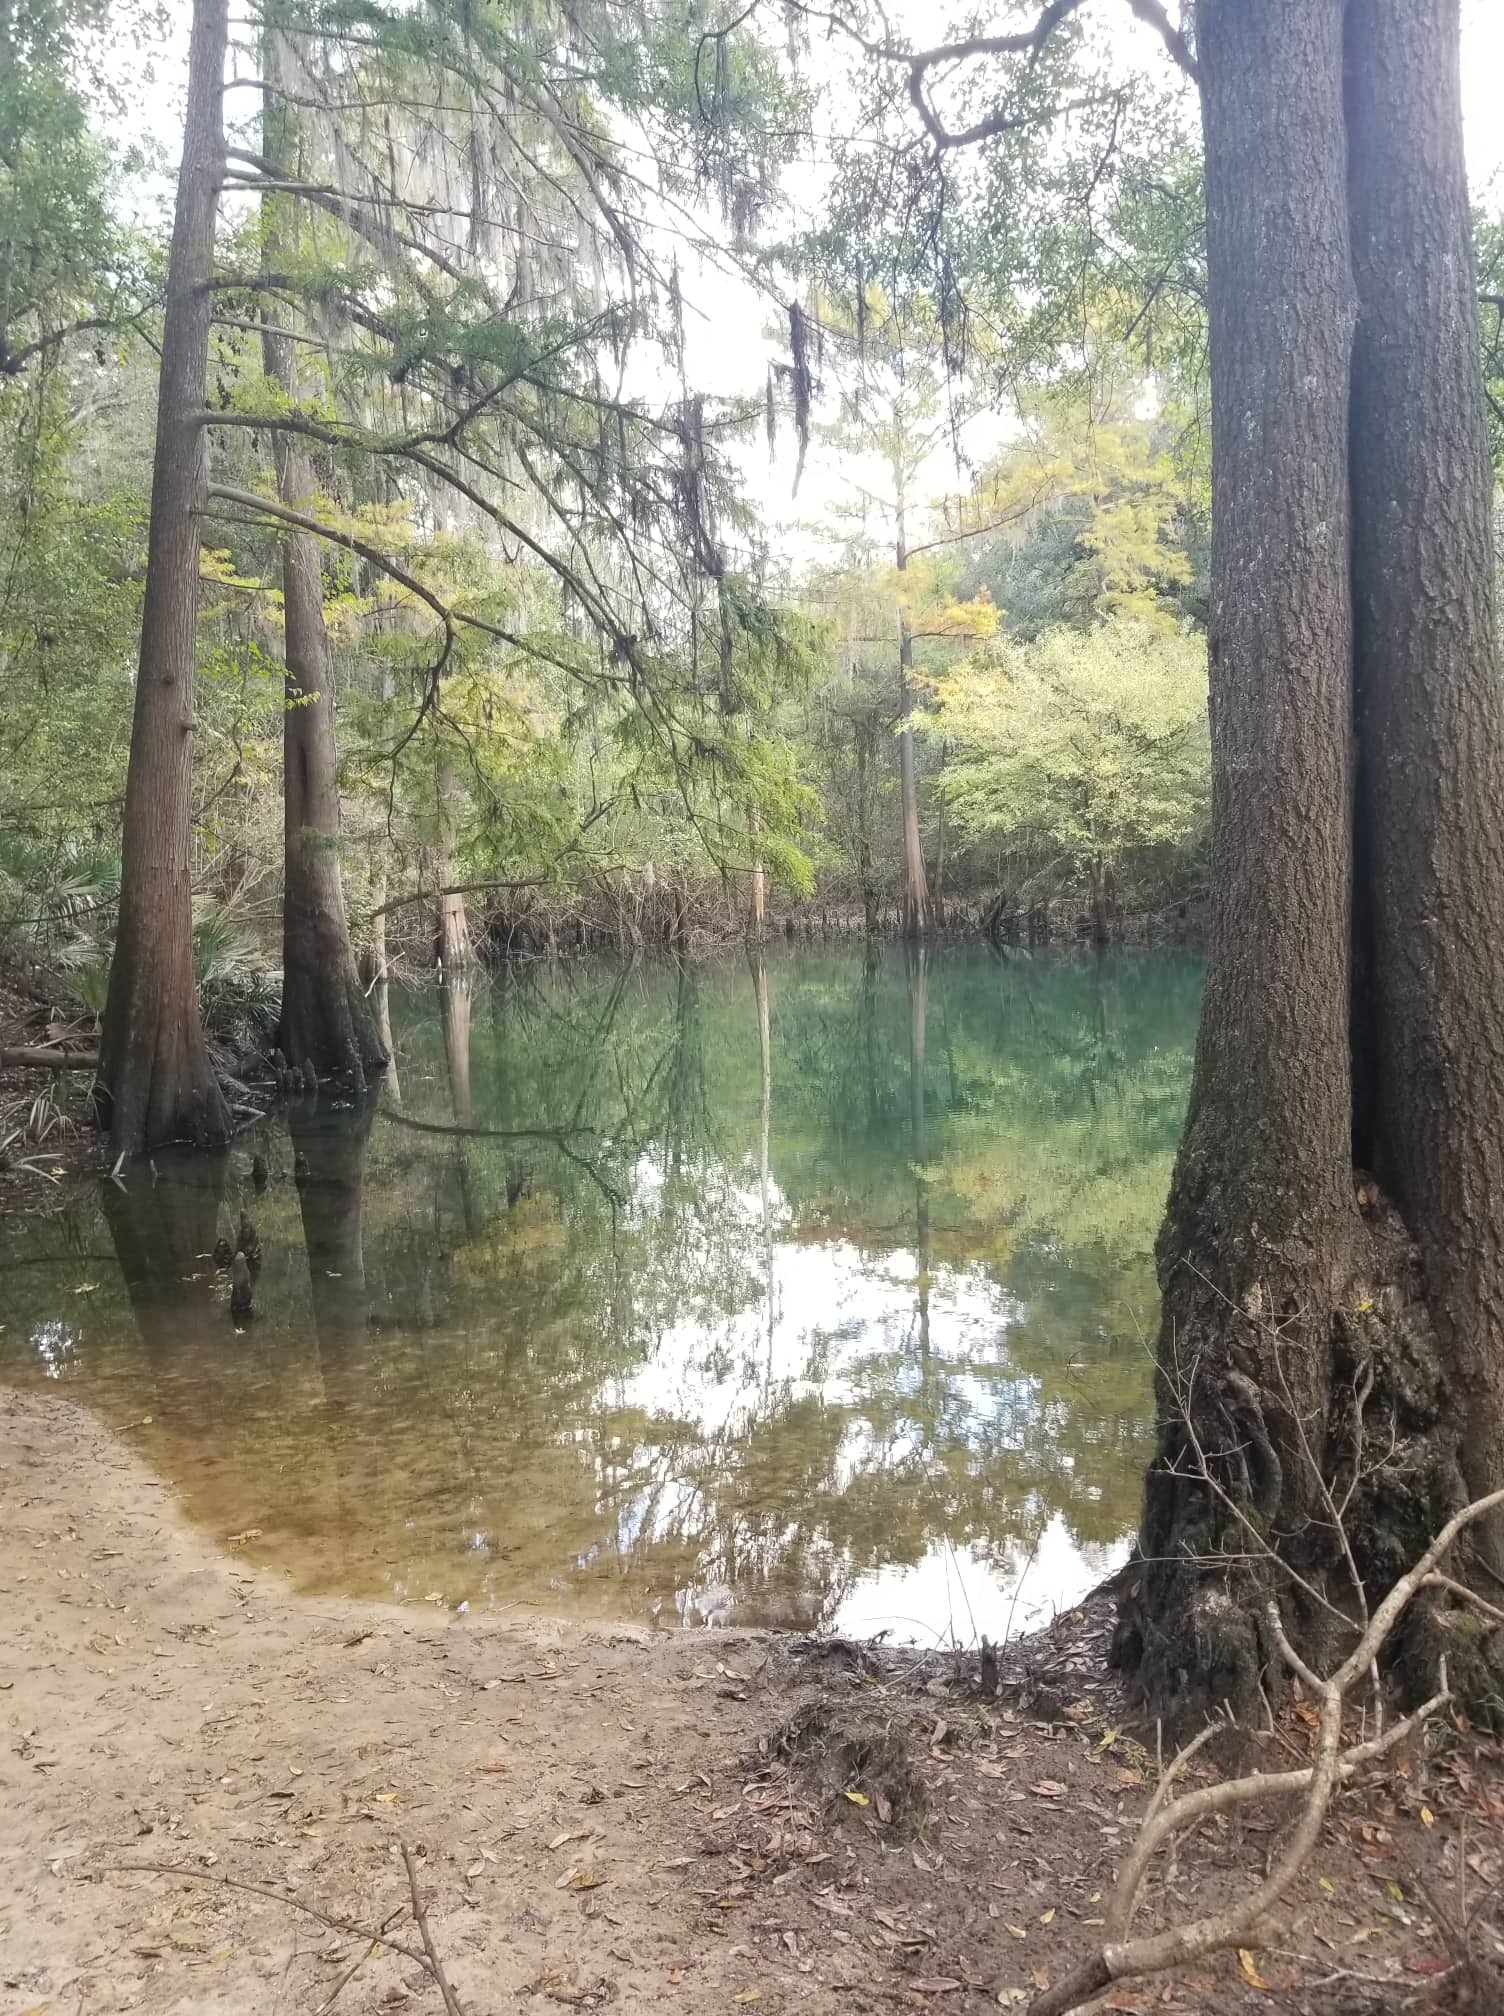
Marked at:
<point>822,1299</point>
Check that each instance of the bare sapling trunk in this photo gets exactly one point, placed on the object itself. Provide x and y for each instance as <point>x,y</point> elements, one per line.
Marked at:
<point>864,832</point>
<point>326,1018</point>
<point>1332,1271</point>
<point>757,909</point>
<point>156,1082</point>
<point>916,895</point>
<point>452,947</point>
<point>1101,900</point>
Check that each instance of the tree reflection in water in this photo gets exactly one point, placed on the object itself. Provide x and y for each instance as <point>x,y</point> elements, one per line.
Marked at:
<point>813,1299</point>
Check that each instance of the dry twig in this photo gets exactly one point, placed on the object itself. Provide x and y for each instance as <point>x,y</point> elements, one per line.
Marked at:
<point>1120,1956</point>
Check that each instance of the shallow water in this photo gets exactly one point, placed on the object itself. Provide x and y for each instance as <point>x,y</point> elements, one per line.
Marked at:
<point>821,1300</point>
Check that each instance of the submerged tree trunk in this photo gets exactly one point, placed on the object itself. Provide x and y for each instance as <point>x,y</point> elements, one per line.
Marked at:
<point>156,1083</point>
<point>326,1019</point>
<point>1297,1332</point>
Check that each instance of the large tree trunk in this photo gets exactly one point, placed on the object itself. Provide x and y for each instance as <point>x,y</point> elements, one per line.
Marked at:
<point>1299,1336</point>
<point>326,1018</point>
<point>1429,713</point>
<point>156,1083</point>
<point>1262,1229</point>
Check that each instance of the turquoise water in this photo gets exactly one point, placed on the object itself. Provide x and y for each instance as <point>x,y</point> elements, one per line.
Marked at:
<point>813,1291</point>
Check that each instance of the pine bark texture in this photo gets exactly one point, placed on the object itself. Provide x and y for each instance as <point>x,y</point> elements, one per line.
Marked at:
<point>156,1083</point>
<point>1429,707</point>
<point>1354,1006</point>
<point>326,1018</point>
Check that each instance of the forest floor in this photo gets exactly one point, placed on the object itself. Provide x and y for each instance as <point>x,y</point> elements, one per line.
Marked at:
<point>207,1782</point>
<point>46,1140</point>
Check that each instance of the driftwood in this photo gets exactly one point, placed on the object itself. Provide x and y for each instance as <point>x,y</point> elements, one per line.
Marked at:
<point>50,1060</point>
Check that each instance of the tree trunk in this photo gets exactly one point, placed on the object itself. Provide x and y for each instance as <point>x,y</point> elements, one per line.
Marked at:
<point>1262,1229</point>
<point>1429,712</point>
<point>916,899</point>
<point>864,833</point>
<point>452,947</point>
<point>1102,899</point>
<point>1354,1002</point>
<point>758,907</point>
<point>326,1018</point>
<point>156,1083</point>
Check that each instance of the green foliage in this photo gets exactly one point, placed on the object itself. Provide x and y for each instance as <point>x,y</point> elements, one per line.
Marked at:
<point>1083,746</point>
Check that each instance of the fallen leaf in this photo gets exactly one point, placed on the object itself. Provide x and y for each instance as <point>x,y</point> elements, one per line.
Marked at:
<point>858,1798</point>
<point>1048,1788</point>
<point>1251,1973</point>
<point>935,1984</point>
<point>1427,1817</point>
<point>1046,1916</point>
<point>748,1995</point>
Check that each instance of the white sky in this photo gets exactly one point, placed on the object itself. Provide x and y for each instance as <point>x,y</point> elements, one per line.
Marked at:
<point>727,322</point>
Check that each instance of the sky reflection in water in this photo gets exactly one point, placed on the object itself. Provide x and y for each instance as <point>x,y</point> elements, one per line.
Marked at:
<point>822,1299</point>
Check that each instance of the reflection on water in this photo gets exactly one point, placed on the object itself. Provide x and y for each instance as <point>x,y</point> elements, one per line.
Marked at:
<point>807,1291</point>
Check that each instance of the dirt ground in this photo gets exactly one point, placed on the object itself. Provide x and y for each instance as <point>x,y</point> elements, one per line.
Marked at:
<point>684,1820</point>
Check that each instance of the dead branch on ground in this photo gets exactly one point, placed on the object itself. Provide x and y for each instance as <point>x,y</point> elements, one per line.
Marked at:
<point>1251,1922</point>
<point>426,1956</point>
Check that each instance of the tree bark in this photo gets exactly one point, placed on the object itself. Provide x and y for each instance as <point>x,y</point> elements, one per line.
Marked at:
<point>758,906</point>
<point>156,1083</point>
<point>916,899</point>
<point>1260,1240</point>
<point>326,1019</point>
<point>864,832</point>
<point>1333,1276</point>
<point>452,947</point>
<point>1429,707</point>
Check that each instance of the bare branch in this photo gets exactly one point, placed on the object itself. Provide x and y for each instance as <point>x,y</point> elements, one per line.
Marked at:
<point>1153,12</point>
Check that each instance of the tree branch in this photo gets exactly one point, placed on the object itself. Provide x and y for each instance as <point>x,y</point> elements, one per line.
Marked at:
<point>1153,13</point>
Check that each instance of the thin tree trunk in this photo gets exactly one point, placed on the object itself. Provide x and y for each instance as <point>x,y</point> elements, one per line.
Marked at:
<point>1101,916</point>
<point>326,1019</point>
<point>916,900</point>
<point>864,832</point>
<point>758,909</point>
<point>452,947</point>
<point>1429,706</point>
<point>156,1083</point>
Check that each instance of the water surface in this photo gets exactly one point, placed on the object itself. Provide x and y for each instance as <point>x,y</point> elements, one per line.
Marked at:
<point>810,1290</point>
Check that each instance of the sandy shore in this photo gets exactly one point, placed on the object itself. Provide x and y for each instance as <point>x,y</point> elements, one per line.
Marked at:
<point>699,1821</point>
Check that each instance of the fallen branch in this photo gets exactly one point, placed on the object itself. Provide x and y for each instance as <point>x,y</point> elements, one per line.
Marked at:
<point>452,2003</point>
<point>345,1925</point>
<point>47,1059</point>
<point>1121,1957</point>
